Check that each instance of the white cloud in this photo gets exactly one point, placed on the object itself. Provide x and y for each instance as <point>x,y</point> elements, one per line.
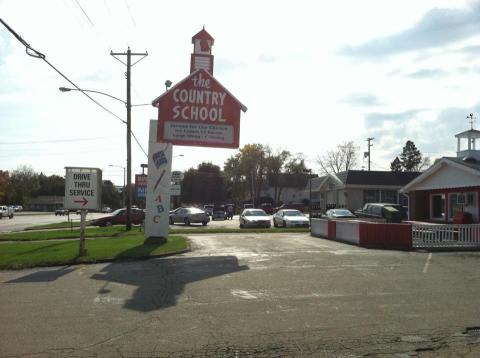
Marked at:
<point>279,58</point>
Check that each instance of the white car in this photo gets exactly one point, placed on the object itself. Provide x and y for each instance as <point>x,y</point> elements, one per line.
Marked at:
<point>290,218</point>
<point>254,218</point>
<point>6,211</point>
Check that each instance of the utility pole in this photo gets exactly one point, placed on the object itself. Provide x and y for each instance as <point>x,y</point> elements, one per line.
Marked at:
<point>369,139</point>
<point>129,65</point>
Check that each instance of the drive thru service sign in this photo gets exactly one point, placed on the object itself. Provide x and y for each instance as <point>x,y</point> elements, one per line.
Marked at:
<point>199,111</point>
<point>83,188</point>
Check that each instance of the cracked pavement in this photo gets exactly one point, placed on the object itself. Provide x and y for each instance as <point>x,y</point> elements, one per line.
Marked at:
<point>247,295</point>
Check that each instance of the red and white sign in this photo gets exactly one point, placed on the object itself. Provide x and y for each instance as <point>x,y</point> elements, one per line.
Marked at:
<point>199,111</point>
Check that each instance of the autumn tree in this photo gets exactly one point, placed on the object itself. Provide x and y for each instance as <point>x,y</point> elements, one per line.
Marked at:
<point>343,158</point>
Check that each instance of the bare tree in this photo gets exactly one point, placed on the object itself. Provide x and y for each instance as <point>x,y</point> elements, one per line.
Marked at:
<point>343,158</point>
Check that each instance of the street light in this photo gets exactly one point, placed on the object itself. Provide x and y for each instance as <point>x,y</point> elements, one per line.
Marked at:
<point>67,89</point>
<point>127,104</point>
<point>123,192</point>
<point>309,171</point>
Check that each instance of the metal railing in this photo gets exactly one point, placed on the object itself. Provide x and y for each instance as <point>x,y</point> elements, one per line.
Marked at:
<point>449,236</point>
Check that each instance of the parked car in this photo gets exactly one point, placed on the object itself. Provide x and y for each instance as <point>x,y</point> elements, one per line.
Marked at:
<point>254,218</point>
<point>267,207</point>
<point>119,216</point>
<point>61,212</point>
<point>339,214</point>
<point>106,209</point>
<point>383,211</point>
<point>290,218</point>
<point>248,206</point>
<point>189,216</point>
<point>298,206</point>
<point>6,211</point>
<point>18,208</point>
<point>208,208</point>
<point>219,213</point>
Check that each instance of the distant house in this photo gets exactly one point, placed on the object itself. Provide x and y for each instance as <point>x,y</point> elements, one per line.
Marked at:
<point>451,185</point>
<point>46,203</point>
<point>354,188</point>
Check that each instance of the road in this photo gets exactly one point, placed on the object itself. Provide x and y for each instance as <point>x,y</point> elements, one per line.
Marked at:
<point>249,295</point>
<point>24,220</point>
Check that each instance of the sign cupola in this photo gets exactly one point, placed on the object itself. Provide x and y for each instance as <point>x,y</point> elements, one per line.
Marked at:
<point>202,57</point>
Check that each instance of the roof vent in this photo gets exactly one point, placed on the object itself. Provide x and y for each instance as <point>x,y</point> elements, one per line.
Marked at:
<point>468,159</point>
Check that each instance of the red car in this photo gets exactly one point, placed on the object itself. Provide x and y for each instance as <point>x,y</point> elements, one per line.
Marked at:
<point>119,216</point>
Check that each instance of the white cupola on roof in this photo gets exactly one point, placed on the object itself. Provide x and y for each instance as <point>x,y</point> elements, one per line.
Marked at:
<point>468,151</point>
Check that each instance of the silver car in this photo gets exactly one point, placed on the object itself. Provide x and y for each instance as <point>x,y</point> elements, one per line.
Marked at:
<point>189,216</point>
<point>290,218</point>
<point>254,218</point>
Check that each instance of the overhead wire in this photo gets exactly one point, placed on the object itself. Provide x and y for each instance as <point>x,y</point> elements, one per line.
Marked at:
<point>84,13</point>
<point>37,54</point>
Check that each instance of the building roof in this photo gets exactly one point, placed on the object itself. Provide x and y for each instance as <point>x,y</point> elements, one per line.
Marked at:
<point>456,163</point>
<point>202,35</point>
<point>472,165</point>
<point>47,199</point>
<point>473,133</point>
<point>363,177</point>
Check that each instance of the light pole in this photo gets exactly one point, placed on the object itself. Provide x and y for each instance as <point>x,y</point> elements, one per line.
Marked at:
<point>123,192</point>
<point>309,171</point>
<point>127,104</point>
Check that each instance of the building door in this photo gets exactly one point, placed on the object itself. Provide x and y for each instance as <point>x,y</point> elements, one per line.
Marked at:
<point>437,207</point>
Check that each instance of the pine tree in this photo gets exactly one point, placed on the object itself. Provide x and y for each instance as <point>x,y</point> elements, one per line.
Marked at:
<point>396,165</point>
<point>410,157</point>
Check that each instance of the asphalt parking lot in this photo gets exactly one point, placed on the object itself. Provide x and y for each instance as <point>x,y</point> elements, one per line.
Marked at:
<point>239,295</point>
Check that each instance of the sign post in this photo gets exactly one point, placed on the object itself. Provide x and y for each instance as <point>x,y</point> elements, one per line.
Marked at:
<point>83,191</point>
<point>198,111</point>
<point>158,188</point>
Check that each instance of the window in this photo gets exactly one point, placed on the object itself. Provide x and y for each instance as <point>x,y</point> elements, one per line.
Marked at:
<point>455,204</point>
<point>389,196</point>
<point>437,206</point>
<point>470,199</point>
<point>371,196</point>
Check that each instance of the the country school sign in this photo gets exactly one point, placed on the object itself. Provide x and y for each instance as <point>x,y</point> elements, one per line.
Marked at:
<point>199,111</point>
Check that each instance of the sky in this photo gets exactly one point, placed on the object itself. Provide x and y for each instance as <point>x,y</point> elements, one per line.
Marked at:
<point>312,74</point>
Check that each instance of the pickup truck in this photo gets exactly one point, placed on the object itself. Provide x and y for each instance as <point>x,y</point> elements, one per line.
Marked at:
<point>6,211</point>
<point>382,211</point>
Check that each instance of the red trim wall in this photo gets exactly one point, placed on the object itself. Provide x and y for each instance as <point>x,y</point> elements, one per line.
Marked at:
<point>446,192</point>
<point>386,236</point>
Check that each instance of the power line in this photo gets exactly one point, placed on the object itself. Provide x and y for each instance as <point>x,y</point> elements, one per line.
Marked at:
<point>130,12</point>
<point>88,18</point>
<point>136,140</point>
<point>55,141</point>
<point>34,53</point>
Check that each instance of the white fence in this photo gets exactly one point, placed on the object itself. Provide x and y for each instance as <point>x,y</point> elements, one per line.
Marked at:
<point>348,231</point>
<point>449,236</point>
<point>319,227</point>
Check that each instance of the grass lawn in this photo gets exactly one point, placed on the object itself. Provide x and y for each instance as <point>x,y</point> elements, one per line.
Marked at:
<point>117,230</point>
<point>110,231</point>
<point>61,225</point>
<point>50,253</point>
